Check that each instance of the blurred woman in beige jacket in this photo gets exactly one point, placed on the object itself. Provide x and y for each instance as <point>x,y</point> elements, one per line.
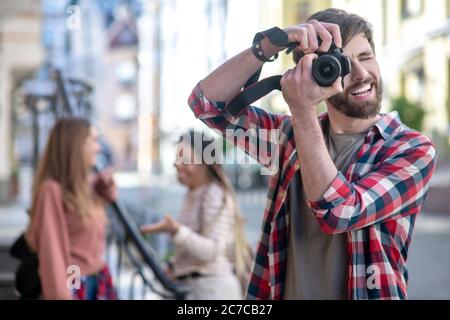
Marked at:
<point>206,230</point>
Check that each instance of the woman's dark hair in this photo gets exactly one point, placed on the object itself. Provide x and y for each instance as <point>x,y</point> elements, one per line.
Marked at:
<point>199,142</point>
<point>350,25</point>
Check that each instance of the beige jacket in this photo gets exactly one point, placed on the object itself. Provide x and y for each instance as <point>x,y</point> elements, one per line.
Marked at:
<point>202,242</point>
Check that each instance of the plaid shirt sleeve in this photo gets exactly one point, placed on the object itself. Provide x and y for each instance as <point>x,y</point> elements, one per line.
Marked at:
<point>253,128</point>
<point>396,187</point>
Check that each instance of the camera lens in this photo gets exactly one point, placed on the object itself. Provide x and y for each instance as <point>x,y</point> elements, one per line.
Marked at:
<point>326,69</point>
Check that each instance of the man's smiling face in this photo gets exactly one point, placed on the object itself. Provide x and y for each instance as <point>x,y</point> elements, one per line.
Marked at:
<point>363,89</point>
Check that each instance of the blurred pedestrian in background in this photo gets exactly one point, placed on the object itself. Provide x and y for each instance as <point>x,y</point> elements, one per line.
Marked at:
<point>67,216</point>
<point>209,227</point>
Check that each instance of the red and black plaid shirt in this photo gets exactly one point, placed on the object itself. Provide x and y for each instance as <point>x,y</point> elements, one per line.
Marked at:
<point>375,202</point>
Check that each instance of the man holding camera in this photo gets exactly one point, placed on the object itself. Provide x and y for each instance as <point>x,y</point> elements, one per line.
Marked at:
<point>351,181</point>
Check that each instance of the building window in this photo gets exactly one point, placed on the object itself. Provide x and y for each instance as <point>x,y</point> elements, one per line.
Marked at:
<point>413,79</point>
<point>412,8</point>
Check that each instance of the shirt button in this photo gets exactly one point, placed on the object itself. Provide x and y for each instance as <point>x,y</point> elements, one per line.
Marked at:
<point>297,167</point>
<point>281,194</point>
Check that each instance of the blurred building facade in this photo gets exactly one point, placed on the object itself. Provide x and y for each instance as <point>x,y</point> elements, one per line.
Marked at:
<point>412,41</point>
<point>143,58</point>
<point>20,54</point>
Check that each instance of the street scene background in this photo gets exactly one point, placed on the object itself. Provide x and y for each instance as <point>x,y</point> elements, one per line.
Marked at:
<point>130,66</point>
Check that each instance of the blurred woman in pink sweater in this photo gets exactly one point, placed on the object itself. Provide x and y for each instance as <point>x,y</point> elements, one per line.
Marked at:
<point>67,217</point>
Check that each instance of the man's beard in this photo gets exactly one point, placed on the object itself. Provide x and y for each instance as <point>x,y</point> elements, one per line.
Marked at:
<point>360,110</point>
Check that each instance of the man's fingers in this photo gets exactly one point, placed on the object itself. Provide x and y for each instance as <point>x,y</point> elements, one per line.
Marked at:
<point>337,86</point>
<point>302,36</point>
<point>333,89</point>
<point>307,35</point>
<point>299,35</point>
<point>307,62</point>
<point>335,32</point>
<point>323,34</point>
<point>285,76</point>
<point>297,71</point>
<point>313,42</point>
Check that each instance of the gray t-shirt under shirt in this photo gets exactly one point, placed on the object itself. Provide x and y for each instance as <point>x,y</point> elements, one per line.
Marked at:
<point>317,262</point>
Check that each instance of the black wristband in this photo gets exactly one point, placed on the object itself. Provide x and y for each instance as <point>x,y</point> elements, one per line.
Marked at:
<point>276,36</point>
<point>257,51</point>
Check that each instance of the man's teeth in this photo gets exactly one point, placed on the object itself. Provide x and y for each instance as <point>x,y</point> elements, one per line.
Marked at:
<point>361,90</point>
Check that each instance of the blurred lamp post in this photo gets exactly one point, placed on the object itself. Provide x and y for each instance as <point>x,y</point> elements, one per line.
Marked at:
<point>39,94</point>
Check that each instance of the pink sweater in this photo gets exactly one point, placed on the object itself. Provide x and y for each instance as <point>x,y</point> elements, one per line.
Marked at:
<point>61,239</point>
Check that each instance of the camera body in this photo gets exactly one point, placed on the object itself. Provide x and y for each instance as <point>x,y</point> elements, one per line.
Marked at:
<point>326,69</point>
<point>330,65</point>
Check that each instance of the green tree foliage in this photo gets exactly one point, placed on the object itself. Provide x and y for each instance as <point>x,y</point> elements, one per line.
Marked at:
<point>411,113</point>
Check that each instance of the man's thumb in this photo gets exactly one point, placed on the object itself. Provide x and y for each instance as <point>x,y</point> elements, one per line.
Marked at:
<point>335,88</point>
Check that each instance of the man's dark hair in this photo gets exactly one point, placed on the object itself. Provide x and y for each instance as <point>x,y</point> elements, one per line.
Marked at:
<point>350,25</point>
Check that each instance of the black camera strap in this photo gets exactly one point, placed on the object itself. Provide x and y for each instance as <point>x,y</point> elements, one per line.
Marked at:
<point>252,92</point>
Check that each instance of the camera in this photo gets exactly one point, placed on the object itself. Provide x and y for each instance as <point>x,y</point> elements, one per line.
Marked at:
<point>329,66</point>
<point>326,69</point>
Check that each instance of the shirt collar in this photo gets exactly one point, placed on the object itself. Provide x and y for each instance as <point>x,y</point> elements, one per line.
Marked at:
<point>386,126</point>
